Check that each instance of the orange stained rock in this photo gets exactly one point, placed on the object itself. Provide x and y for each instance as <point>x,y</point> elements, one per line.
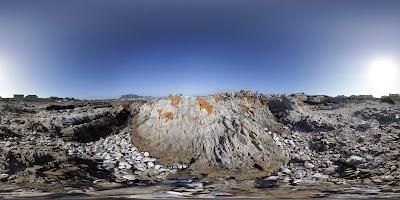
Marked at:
<point>205,105</point>
<point>151,103</point>
<point>217,98</point>
<point>168,116</point>
<point>175,100</point>
<point>159,113</point>
<point>300,103</point>
<point>247,109</point>
<point>263,102</point>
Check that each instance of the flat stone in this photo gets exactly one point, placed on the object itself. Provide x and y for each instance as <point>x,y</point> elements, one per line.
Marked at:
<point>129,177</point>
<point>272,178</point>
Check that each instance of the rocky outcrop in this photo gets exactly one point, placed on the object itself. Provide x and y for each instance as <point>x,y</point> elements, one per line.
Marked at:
<point>322,142</point>
<point>228,132</point>
<point>83,124</point>
<point>294,111</point>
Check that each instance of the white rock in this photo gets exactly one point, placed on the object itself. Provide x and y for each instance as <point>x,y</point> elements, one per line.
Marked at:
<point>3,176</point>
<point>387,178</point>
<point>157,167</point>
<point>354,160</point>
<point>317,175</point>
<point>129,177</point>
<point>364,125</point>
<point>146,154</point>
<point>8,143</point>
<point>286,170</point>
<point>195,184</point>
<point>272,178</point>
<point>309,165</point>
<point>150,164</point>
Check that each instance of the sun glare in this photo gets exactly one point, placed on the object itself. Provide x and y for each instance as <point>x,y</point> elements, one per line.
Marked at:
<point>382,75</point>
<point>2,70</point>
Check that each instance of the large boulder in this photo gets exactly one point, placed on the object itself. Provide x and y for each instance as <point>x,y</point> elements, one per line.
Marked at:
<point>230,132</point>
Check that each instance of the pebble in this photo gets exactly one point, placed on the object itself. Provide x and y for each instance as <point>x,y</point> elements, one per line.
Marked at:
<point>302,182</point>
<point>129,177</point>
<point>387,178</point>
<point>305,158</point>
<point>364,126</point>
<point>309,165</point>
<point>8,144</point>
<point>150,164</point>
<point>272,178</point>
<point>317,175</point>
<point>286,170</point>
<point>330,170</point>
<point>3,176</point>
<point>299,174</point>
<point>157,167</point>
<point>354,160</point>
<point>119,156</point>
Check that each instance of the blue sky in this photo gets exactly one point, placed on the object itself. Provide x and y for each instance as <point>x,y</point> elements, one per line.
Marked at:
<point>101,49</point>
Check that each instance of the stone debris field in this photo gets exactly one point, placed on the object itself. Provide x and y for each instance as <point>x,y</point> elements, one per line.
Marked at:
<point>236,144</point>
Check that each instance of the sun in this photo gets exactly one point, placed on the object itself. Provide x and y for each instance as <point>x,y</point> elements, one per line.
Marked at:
<point>382,74</point>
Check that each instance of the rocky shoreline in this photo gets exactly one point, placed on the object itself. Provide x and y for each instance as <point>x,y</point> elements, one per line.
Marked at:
<point>223,144</point>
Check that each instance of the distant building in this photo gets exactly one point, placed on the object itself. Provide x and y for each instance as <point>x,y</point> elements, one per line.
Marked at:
<point>56,98</point>
<point>18,96</point>
<point>394,95</point>
<point>31,96</point>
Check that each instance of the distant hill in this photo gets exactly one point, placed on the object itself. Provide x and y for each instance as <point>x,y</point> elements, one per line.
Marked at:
<point>130,97</point>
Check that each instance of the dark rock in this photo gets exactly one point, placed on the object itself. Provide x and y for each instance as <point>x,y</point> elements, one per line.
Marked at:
<point>59,107</point>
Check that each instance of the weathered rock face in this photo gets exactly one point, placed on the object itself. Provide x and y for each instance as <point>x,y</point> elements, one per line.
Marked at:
<point>294,112</point>
<point>84,124</point>
<point>230,132</point>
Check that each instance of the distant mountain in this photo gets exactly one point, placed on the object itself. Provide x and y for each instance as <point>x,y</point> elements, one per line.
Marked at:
<point>130,97</point>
